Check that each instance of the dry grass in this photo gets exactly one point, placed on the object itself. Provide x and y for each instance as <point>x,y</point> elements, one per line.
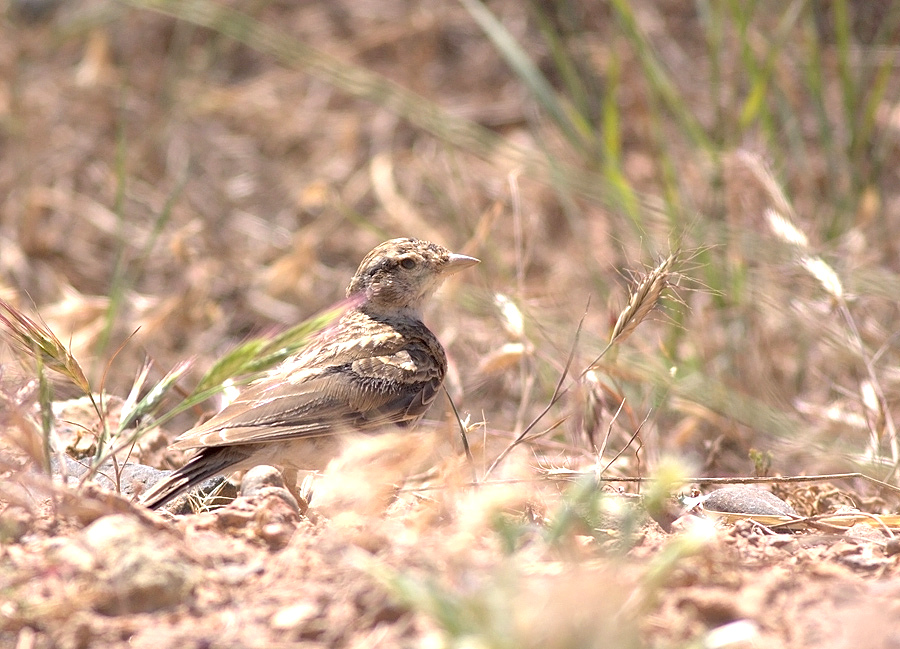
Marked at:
<point>175,192</point>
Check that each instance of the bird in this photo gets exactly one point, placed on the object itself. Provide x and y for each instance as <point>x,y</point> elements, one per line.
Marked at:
<point>379,366</point>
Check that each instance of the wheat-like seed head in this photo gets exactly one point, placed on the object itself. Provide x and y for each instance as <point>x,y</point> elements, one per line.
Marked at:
<point>37,341</point>
<point>643,300</point>
<point>825,275</point>
<point>784,229</point>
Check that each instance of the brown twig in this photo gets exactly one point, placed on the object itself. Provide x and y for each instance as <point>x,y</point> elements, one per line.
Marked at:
<point>565,475</point>
<point>634,435</point>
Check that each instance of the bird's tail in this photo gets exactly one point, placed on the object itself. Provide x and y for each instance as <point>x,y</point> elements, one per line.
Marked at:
<point>209,462</point>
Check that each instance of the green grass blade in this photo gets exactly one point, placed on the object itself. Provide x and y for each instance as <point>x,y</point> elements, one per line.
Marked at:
<point>577,81</point>
<point>359,82</point>
<point>524,68</point>
<point>657,77</point>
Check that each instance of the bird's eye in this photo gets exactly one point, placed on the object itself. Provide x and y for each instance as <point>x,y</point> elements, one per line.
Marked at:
<point>408,263</point>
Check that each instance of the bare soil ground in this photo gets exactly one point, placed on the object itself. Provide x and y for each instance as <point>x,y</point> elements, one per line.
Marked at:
<point>168,192</point>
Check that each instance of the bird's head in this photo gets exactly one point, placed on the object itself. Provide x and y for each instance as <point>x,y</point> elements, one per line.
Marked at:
<point>400,275</point>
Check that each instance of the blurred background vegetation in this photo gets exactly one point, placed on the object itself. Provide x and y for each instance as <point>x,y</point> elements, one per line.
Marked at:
<point>198,173</point>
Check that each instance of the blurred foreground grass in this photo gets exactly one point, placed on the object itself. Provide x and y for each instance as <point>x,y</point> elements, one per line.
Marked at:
<point>205,173</point>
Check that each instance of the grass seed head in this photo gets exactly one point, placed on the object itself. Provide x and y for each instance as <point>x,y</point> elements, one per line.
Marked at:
<point>825,275</point>
<point>782,228</point>
<point>643,300</point>
<point>37,341</point>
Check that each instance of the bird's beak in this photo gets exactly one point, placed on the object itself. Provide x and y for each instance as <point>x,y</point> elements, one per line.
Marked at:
<point>458,262</point>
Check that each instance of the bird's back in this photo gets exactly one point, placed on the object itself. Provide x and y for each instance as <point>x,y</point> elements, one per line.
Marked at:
<point>363,373</point>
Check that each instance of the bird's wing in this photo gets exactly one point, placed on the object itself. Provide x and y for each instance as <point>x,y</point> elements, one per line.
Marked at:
<point>364,393</point>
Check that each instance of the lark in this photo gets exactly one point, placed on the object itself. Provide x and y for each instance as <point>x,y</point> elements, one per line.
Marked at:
<point>379,366</point>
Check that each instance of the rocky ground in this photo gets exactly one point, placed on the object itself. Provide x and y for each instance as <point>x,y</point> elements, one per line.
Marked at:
<point>173,187</point>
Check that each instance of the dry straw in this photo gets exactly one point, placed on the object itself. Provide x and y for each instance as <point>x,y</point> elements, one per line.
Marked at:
<point>782,227</point>
<point>643,300</point>
<point>781,223</point>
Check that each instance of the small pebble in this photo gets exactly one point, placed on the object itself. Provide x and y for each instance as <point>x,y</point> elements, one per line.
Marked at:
<point>744,499</point>
<point>138,570</point>
<point>294,616</point>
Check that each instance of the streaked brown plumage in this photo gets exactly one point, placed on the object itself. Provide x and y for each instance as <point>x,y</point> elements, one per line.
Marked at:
<point>378,366</point>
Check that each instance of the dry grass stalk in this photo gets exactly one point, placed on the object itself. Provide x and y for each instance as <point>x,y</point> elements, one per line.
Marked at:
<point>600,450</point>
<point>873,396</point>
<point>570,475</point>
<point>558,392</point>
<point>783,228</point>
<point>881,423</point>
<point>463,433</point>
<point>760,170</point>
<point>593,407</point>
<point>643,300</point>
<point>634,436</point>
